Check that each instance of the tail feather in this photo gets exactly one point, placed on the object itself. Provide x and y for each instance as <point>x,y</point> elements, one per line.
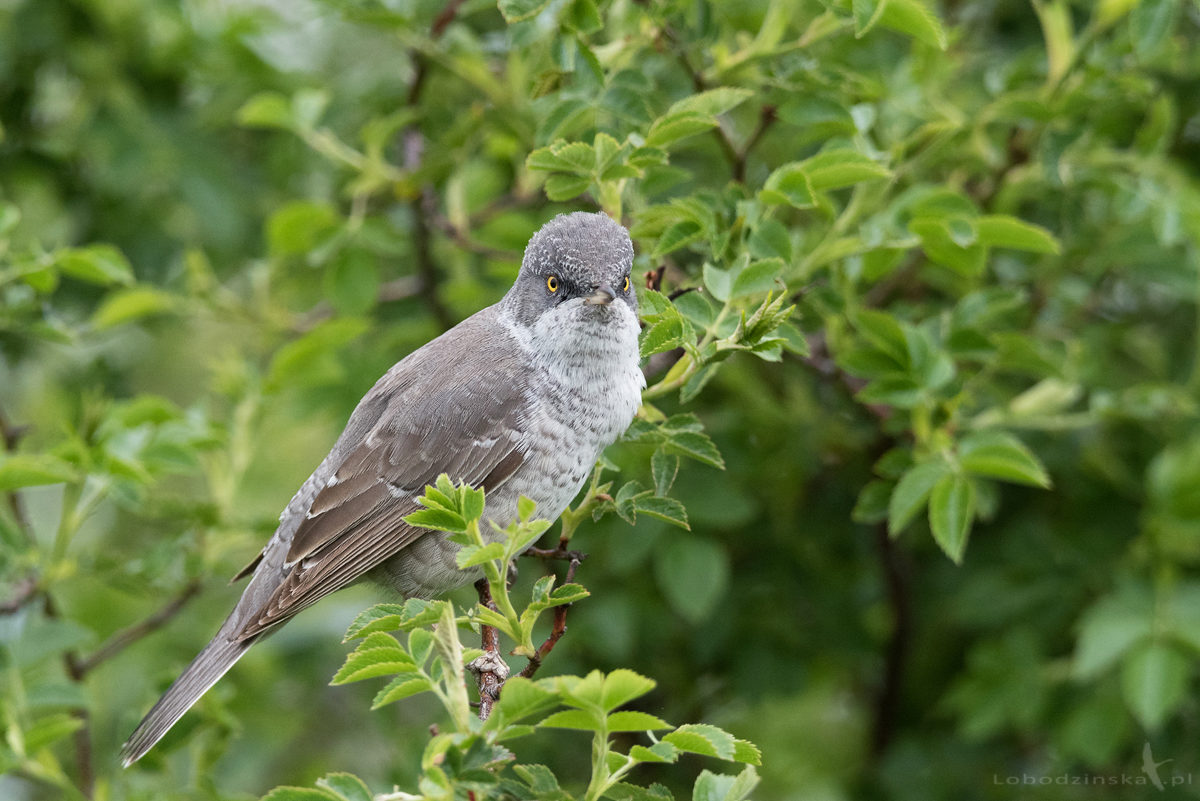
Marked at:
<point>204,671</point>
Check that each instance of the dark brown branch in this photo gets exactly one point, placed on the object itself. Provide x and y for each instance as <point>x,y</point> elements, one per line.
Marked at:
<point>489,668</point>
<point>128,636</point>
<point>559,627</point>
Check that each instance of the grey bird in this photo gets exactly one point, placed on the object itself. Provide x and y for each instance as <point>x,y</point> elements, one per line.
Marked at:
<point>519,399</point>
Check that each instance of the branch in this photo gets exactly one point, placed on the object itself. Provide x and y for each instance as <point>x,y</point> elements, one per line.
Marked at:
<point>24,591</point>
<point>128,636</point>
<point>888,700</point>
<point>575,558</point>
<point>489,668</point>
<point>11,435</point>
<point>406,286</point>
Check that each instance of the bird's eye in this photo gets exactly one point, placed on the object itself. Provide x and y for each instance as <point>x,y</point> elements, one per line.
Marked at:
<point>625,287</point>
<point>552,283</point>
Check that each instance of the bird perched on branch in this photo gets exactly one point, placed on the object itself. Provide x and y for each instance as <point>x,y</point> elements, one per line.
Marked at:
<point>519,399</point>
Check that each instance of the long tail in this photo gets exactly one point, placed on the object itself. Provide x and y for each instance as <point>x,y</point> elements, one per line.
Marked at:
<point>204,671</point>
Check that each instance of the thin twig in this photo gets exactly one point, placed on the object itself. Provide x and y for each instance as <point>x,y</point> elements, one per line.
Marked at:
<point>560,612</point>
<point>11,436</point>
<point>25,590</point>
<point>887,702</point>
<point>128,636</point>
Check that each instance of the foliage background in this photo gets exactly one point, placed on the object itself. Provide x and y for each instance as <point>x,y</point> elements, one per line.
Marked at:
<point>222,221</point>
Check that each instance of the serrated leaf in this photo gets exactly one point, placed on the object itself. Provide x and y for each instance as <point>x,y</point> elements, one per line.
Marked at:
<point>997,454</point>
<point>635,721</point>
<point>672,127</point>
<point>712,102</point>
<point>839,168</point>
<point>703,739</point>
<point>677,235</point>
<point>522,697</point>
<point>381,617</point>
<point>912,492</point>
<point>696,445</point>
<point>748,752</point>
<point>665,509</point>
<point>659,752</point>
<point>367,663</point>
<point>437,519</point>
<point>663,467</point>
<point>347,785</point>
<point>578,719</point>
<point>951,510</point>
<point>471,555</point>
<point>622,686</point>
<point>565,187</point>
<point>718,282</point>
<point>666,334</point>
<point>399,688</point>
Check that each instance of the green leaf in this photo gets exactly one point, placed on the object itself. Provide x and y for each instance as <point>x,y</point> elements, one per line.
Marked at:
<point>872,504</point>
<point>402,686</point>
<point>712,102</point>
<point>30,470</point>
<point>266,110</point>
<point>352,282</point>
<point>471,555</point>
<point>665,335</point>
<point>672,127</point>
<point>1109,629</point>
<point>703,739</point>
<point>565,187</point>
<point>1003,231</point>
<point>666,509</point>
<point>133,303</point>
<point>695,445</point>
<point>997,454</point>
<point>519,10</point>
<point>836,169</point>
<point>866,14</point>
<point>1154,682</point>
<point>663,467</point>
<point>718,282</point>
<point>298,227</point>
<point>347,785</point>
<point>622,686</point>
<point>757,277</point>
<point>916,19</point>
<point>693,574</point>
<point>522,697</point>
<point>578,719</point>
<point>635,721</point>
<point>790,185</point>
<point>381,617</point>
<point>299,794</point>
<point>97,264</point>
<point>951,509</point>
<point>659,752</point>
<point>50,729</point>
<point>1150,24</point>
<point>677,235</point>
<point>711,786</point>
<point>437,519</point>
<point>368,663</point>
<point>912,491</point>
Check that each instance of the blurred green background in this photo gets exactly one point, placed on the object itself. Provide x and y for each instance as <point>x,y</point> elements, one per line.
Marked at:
<point>221,221</point>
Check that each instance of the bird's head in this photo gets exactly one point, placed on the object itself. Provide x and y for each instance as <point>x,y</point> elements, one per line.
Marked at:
<point>577,267</point>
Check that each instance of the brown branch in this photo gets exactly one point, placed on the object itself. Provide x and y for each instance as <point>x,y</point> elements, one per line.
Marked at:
<point>128,636</point>
<point>463,240</point>
<point>559,628</point>
<point>489,668</point>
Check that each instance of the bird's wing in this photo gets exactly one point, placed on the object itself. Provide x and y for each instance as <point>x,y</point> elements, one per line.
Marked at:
<point>467,421</point>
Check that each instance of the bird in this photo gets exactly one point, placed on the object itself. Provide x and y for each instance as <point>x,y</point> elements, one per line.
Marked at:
<point>519,399</point>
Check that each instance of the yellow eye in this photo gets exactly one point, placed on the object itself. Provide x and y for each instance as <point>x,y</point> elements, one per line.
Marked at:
<point>625,288</point>
<point>552,283</point>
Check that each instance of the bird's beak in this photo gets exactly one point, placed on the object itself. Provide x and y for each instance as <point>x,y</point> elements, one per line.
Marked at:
<point>603,296</point>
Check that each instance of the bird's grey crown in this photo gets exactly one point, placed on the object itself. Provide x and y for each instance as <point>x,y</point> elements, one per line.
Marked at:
<point>584,251</point>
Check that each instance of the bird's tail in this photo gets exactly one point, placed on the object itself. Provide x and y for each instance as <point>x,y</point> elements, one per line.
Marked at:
<point>204,671</point>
